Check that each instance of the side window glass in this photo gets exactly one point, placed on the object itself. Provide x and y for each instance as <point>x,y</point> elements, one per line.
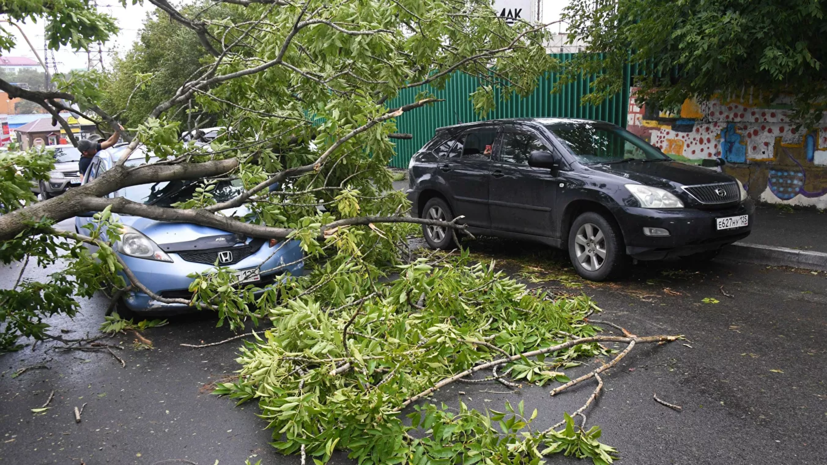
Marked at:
<point>443,147</point>
<point>479,144</point>
<point>517,147</point>
<point>456,149</point>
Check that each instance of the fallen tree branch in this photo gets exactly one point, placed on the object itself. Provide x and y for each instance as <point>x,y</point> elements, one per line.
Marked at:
<point>78,413</point>
<point>596,372</point>
<point>123,364</point>
<point>584,407</point>
<point>534,353</point>
<point>49,400</point>
<point>25,369</point>
<point>677,408</point>
<point>212,344</point>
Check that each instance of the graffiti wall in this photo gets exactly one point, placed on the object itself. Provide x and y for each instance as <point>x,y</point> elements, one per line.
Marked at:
<point>776,162</point>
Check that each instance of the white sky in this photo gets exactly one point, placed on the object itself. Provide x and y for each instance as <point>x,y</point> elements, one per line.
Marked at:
<point>131,18</point>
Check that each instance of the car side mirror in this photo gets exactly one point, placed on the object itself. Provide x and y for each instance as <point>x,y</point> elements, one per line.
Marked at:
<point>713,162</point>
<point>543,159</point>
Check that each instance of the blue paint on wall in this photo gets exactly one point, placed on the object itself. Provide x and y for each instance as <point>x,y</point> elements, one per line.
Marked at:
<point>810,147</point>
<point>732,150</point>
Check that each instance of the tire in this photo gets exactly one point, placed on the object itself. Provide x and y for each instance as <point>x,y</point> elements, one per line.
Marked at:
<point>702,257</point>
<point>438,237</point>
<point>596,247</point>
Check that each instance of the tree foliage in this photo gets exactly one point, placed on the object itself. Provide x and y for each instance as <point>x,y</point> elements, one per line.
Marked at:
<point>165,55</point>
<point>302,90</point>
<point>699,49</point>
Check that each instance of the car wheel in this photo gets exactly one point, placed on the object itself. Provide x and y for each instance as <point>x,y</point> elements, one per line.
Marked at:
<point>438,237</point>
<point>596,247</point>
<point>702,257</point>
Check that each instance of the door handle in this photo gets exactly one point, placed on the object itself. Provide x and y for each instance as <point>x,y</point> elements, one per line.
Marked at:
<point>446,167</point>
<point>497,174</point>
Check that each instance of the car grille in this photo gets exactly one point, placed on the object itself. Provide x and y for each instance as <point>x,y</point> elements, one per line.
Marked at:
<point>211,256</point>
<point>186,294</point>
<point>715,194</point>
<point>71,174</point>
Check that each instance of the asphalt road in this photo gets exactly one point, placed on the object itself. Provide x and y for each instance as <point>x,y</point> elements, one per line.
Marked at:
<point>750,376</point>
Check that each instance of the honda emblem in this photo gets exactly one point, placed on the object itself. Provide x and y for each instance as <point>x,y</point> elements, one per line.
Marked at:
<point>225,256</point>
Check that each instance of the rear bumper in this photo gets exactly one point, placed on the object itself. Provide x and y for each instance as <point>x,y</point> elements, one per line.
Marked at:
<point>691,231</point>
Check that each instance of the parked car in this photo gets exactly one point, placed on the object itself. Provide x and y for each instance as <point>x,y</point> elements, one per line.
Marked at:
<point>64,176</point>
<point>162,255</point>
<point>203,136</point>
<point>590,187</point>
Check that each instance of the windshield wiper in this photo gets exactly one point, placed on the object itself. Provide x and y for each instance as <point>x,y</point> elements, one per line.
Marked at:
<point>625,160</point>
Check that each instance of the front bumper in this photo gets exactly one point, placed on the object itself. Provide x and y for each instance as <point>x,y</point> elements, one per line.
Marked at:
<point>171,279</point>
<point>58,186</point>
<point>691,230</point>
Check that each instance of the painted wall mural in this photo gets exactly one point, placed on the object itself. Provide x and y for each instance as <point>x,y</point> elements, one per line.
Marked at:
<point>776,162</point>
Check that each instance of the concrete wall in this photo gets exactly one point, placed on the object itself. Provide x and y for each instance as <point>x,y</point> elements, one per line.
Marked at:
<point>776,162</point>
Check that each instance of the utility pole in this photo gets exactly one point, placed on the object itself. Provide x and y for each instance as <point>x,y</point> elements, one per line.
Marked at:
<point>50,65</point>
<point>94,58</point>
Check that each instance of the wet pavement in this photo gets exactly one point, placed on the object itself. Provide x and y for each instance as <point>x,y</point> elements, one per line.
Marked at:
<point>750,376</point>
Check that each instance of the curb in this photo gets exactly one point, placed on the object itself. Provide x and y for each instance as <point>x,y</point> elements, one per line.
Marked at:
<point>776,256</point>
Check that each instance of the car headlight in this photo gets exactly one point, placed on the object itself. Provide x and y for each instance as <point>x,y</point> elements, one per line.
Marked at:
<point>56,175</point>
<point>652,197</point>
<point>744,194</point>
<point>135,244</point>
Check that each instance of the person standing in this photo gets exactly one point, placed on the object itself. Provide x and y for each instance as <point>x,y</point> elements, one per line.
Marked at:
<point>89,148</point>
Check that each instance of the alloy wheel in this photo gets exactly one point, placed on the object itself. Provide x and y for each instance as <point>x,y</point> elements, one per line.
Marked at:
<point>590,247</point>
<point>437,233</point>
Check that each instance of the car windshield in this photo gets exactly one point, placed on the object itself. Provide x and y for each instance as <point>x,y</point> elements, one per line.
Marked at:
<point>66,154</point>
<point>167,193</point>
<point>604,144</point>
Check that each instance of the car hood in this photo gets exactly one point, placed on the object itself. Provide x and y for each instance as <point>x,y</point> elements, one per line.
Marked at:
<point>173,237</point>
<point>662,173</point>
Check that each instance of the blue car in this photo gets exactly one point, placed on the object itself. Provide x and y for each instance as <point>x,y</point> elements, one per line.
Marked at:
<point>163,255</point>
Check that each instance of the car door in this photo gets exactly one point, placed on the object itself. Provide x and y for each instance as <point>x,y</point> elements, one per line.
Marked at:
<point>466,170</point>
<point>95,170</point>
<point>521,198</point>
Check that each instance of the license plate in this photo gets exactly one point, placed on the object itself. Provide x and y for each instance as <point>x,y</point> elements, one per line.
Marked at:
<point>248,276</point>
<point>74,180</point>
<point>732,222</point>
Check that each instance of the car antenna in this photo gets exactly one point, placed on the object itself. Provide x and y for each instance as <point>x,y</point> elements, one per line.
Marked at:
<point>459,120</point>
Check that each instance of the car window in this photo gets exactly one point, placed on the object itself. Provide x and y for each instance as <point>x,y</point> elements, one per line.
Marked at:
<point>517,146</point>
<point>442,146</point>
<point>93,170</point>
<point>165,194</point>
<point>66,155</point>
<point>479,143</point>
<point>607,144</point>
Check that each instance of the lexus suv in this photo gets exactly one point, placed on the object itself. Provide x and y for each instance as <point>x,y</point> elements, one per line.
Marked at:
<point>590,187</point>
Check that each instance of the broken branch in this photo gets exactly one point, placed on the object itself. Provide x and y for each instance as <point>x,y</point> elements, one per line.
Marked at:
<point>674,407</point>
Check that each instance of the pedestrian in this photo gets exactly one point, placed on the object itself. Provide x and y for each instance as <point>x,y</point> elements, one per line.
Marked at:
<point>88,148</point>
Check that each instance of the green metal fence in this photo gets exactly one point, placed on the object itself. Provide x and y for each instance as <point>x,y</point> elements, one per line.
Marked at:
<point>457,108</point>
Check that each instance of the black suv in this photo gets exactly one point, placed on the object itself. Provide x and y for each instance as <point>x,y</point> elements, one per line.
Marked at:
<point>592,187</point>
